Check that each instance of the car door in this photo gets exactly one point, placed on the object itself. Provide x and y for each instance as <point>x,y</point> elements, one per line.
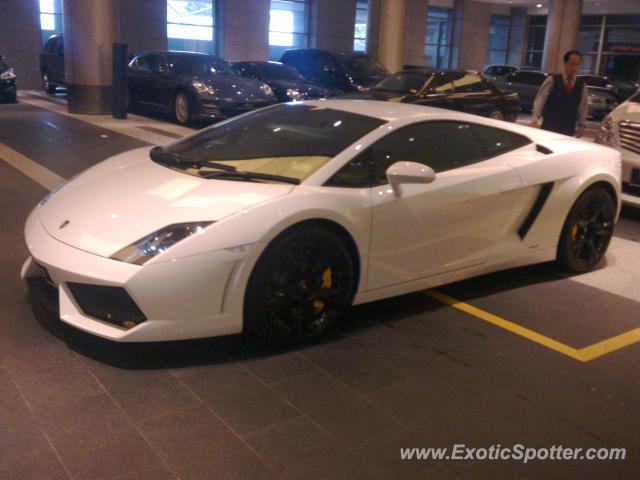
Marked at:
<point>446,225</point>
<point>473,94</point>
<point>139,73</point>
<point>160,82</point>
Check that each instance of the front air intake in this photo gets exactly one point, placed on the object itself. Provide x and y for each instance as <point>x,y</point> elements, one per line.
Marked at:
<point>109,304</point>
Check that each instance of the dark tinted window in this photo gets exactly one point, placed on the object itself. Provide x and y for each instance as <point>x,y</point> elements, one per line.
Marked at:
<point>440,83</point>
<point>326,62</point>
<point>440,145</point>
<point>465,82</point>
<point>364,65</point>
<point>403,82</point>
<point>145,63</point>
<point>495,141</point>
<point>355,174</point>
<point>244,69</point>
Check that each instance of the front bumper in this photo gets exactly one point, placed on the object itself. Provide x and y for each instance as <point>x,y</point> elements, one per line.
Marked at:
<point>212,108</point>
<point>630,178</point>
<point>191,297</point>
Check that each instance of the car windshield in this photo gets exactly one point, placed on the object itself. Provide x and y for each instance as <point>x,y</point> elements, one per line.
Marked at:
<point>278,72</point>
<point>286,142</point>
<point>198,65</point>
<point>410,83</point>
<point>364,65</point>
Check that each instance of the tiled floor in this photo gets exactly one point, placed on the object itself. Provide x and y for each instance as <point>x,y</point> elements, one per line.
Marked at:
<point>406,372</point>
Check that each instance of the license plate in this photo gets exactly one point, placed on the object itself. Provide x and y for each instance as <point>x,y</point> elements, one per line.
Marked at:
<point>635,176</point>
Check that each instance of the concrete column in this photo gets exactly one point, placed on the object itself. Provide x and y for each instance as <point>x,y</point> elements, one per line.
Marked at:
<point>21,40</point>
<point>517,36</point>
<point>334,24</point>
<point>373,28</point>
<point>90,29</point>
<point>143,24</point>
<point>471,34</point>
<point>393,19</point>
<point>246,30</point>
<point>416,32</point>
<point>563,25</point>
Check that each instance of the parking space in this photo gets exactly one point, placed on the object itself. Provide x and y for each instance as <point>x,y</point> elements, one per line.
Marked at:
<point>527,356</point>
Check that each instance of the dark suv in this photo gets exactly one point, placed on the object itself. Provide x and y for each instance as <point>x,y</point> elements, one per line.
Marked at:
<point>52,64</point>
<point>347,72</point>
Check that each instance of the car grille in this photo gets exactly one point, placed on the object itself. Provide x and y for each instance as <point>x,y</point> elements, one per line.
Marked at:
<point>109,304</point>
<point>630,136</point>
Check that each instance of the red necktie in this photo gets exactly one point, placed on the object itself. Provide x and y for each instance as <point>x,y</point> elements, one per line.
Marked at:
<point>568,85</point>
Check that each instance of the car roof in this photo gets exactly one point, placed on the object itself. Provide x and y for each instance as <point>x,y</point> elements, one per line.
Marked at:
<point>174,52</point>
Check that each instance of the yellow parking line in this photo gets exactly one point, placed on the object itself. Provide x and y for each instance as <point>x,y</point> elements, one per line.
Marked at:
<point>584,354</point>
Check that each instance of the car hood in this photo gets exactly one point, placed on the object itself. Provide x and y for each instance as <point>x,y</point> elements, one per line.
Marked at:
<point>627,111</point>
<point>234,88</point>
<point>129,196</point>
<point>313,91</point>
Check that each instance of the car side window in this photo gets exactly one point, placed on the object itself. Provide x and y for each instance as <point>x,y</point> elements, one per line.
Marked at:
<point>440,145</point>
<point>466,82</point>
<point>496,141</point>
<point>159,64</point>
<point>513,78</point>
<point>145,63</point>
<point>440,83</point>
<point>355,174</point>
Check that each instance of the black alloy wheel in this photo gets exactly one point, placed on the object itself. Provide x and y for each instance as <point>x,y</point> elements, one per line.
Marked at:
<point>300,286</point>
<point>587,231</point>
<point>182,108</point>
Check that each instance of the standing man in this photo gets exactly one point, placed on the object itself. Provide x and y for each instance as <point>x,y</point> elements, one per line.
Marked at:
<point>562,99</point>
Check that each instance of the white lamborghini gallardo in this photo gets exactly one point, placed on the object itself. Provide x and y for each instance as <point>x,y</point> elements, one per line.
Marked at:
<point>276,221</point>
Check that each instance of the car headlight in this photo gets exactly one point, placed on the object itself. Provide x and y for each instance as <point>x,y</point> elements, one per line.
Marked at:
<point>267,90</point>
<point>294,94</point>
<point>8,75</point>
<point>202,87</point>
<point>607,135</point>
<point>154,244</point>
<point>362,88</point>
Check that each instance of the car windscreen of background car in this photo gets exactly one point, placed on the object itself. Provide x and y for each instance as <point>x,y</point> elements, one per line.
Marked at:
<point>287,140</point>
<point>402,83</point>
<point>198,65</point>
<point>362,65</point>
<point>278,72</point>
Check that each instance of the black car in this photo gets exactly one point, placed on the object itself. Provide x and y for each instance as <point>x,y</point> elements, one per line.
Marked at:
<point>285,81</point>
<point>8,92</point>
<point>525,83</point>
<point>193,85</point>
<point>347,72</point>
<point>452,89</point>
<point>52,64</point>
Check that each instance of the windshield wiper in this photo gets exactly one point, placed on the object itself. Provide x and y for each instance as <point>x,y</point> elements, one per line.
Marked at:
<point>248,176</point>
<point>159,154</point>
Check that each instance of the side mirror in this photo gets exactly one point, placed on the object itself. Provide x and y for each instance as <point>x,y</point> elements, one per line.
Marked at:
<point>408,172</point>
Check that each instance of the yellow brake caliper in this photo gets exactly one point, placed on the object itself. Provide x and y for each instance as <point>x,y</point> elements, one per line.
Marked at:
<point>574,231</point>
<point>327,282</point>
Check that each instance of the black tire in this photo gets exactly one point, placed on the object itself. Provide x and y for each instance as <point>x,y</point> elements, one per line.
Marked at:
<point>496,114</point>
<point>587,231</point>
<point>301,286</point>
<point>47,86</point>
<point>182,108</point>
